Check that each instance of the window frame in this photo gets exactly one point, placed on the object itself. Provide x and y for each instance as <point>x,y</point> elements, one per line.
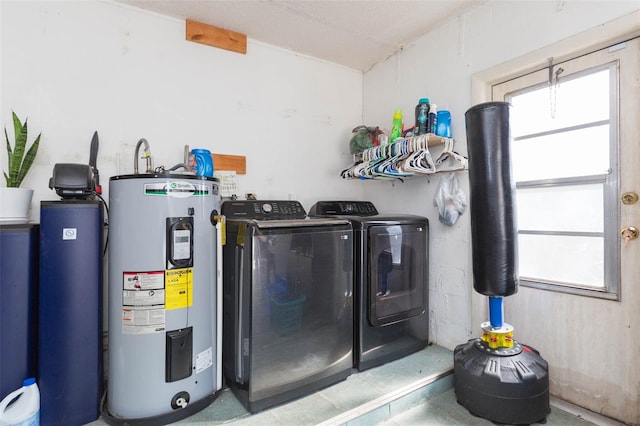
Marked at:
<point>610,180</point>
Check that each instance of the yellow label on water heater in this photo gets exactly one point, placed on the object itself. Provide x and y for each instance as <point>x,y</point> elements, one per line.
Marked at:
<point>178,288</point>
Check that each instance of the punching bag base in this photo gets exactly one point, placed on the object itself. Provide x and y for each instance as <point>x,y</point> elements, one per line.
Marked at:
<point>508,386</point>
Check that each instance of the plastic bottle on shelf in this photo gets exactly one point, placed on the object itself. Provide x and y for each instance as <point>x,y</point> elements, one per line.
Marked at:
<point>422,117</point>
<point>443,127</point>
<point>396,128</point>
<point>25,410</point>
<point>432,122</point>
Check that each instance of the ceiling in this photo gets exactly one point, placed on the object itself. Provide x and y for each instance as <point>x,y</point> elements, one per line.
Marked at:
<point>355,33</point>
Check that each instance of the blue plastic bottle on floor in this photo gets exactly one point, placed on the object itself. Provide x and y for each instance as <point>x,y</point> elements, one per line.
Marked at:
<point>25,409</point>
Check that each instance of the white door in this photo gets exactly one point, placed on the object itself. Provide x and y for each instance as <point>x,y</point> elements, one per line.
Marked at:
<point>591,338</point>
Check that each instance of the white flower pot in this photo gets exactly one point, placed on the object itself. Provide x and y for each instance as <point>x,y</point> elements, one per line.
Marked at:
<point>15,204</point>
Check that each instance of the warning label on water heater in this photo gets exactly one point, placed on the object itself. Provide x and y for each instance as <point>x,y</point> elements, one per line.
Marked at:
<point>139,320</point>
<point>179,288</point>
<point>143,302</point>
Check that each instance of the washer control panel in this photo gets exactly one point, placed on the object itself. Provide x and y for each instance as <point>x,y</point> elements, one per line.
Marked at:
<point>343,208</point>
<point>263,209</point>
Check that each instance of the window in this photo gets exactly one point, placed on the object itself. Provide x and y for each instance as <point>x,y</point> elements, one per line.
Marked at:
<point>564,128</point>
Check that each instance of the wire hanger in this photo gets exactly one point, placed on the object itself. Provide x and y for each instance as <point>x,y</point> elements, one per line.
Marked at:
<point>419,160</point>
<point>449,160</point>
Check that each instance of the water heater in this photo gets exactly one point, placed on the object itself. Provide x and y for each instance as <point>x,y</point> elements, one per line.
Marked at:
<point>164,299</point>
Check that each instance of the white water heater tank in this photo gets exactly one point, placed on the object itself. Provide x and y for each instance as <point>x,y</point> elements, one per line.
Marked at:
<point>164,300</point>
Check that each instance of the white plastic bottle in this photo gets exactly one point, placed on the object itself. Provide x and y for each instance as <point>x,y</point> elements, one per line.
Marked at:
<point>432,123</point>
<point>25,410</point>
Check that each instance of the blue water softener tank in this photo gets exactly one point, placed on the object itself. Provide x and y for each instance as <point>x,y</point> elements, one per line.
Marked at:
<point>164,302</point>
<point>18,305</point>
<point>70,364</point>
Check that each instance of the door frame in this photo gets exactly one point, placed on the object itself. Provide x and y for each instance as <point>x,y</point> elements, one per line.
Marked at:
<point>612,33</point>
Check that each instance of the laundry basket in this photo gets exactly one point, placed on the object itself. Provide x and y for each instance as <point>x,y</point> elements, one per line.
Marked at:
<point>286,314</point>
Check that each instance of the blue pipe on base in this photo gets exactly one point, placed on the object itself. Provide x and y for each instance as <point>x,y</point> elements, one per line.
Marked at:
<point>496,311</point>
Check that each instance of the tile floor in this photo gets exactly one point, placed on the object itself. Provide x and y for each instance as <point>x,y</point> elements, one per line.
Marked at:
<point>443,409</point>
<point>394,394</point>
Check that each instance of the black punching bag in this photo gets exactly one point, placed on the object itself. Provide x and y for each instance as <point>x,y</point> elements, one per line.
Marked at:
<point>492,205</point>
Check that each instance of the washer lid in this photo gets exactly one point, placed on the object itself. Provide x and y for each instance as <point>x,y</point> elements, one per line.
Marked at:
<point>298,223</point>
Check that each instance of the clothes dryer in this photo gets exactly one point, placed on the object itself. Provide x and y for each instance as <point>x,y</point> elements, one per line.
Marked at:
<point>391,257</point>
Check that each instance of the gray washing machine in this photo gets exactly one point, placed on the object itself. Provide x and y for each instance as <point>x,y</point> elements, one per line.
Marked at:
<point>391,279</point>
<point>288,316</point>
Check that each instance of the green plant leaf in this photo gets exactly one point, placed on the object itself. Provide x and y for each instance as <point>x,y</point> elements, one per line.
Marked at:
<point>18,163</point>
<point>28,160</point>
<point>6,137</point>
<point>18,154</point>
<point>13,164</point>
<point>17,124</point>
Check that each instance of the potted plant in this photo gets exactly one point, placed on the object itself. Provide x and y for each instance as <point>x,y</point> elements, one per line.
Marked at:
<point>15,201</point>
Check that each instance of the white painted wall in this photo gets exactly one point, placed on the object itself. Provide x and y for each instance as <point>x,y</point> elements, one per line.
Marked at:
<point>445,65</point>
<point>75,67</point>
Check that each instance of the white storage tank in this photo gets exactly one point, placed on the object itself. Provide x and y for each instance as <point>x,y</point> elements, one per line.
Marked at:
<point>164,300</point>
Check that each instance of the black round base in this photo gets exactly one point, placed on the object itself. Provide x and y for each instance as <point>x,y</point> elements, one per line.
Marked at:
<point>502,385</point>
<point>161,419</point>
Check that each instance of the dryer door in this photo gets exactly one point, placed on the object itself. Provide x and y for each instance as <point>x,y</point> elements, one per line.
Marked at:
<point>398,264</point>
